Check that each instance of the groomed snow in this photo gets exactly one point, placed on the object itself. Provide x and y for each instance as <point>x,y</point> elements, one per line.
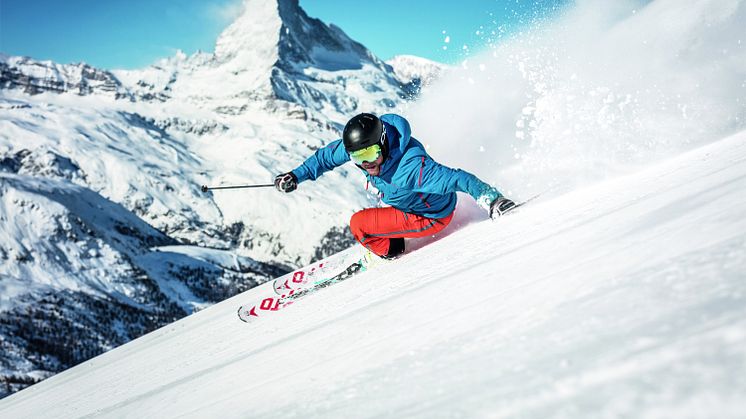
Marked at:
<point>622,299</point>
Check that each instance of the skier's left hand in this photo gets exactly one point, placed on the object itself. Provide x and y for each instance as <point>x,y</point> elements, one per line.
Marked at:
<point>500,206</point>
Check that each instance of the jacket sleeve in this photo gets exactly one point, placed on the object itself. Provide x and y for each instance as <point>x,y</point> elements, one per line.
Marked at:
<point>423,174</point>
<point>323,160</point>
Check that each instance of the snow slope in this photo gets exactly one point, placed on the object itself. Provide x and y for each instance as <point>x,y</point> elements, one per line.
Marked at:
<point>621,299</point>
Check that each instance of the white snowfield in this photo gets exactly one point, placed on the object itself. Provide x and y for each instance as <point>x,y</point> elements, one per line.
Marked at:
<point>623,299</point>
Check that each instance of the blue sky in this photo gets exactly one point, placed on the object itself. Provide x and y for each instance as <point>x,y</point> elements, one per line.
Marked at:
<point>135,33</point>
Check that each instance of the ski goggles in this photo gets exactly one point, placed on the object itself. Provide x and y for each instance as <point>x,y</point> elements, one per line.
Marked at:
<point>367,154</point>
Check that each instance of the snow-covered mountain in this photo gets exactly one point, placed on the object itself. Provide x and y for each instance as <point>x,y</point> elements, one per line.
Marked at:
<point>273,51</point>
<point>34,77</point>
<point>622,299</point>
<point>100,175</point>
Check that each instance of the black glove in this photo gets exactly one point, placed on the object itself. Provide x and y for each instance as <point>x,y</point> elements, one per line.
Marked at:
<point>500,206</point>
<point>286,182</point>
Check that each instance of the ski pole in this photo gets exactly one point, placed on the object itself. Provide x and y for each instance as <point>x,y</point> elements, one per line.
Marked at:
<point>206,188</point>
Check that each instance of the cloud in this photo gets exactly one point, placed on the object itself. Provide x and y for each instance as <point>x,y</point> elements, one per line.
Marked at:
<point>226,11</point>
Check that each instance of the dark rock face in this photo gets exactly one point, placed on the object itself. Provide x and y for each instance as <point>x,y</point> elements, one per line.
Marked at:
<point>43,163</point>
<point>304,43</point>
<point>335,240</point>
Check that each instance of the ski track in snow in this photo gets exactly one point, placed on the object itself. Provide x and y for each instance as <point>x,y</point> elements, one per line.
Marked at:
<point>623,299</point>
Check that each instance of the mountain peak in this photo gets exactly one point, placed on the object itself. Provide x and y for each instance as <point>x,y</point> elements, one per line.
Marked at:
<point>275,49</point>
<point>254,32</point>
<point>280,31</point>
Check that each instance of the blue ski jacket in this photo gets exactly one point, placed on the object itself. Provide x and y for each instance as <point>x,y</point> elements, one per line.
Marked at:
<point>409,180</point>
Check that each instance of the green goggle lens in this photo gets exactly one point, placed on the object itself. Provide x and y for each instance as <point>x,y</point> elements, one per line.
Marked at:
<point>368,154</point>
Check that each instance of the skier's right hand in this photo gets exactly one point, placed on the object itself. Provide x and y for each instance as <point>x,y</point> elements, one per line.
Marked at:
<point>286,182</point>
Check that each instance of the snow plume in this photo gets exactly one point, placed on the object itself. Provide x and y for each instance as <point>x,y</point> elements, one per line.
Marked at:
<point>603,88</point>
<point>225,12</point>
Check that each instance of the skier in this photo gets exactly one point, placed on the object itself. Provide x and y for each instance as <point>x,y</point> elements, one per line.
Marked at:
<point>421,192</point>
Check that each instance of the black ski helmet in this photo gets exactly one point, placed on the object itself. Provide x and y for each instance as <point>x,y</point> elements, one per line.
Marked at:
<point>362,131</point>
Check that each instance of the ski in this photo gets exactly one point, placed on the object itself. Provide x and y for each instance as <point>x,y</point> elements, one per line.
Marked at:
<point>248,312</point>
<point>269,304</point>
<point>345,274</point>
<point>302,277</point>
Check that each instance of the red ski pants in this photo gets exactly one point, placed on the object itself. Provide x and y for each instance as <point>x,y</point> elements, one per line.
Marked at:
<point>374,227</point>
